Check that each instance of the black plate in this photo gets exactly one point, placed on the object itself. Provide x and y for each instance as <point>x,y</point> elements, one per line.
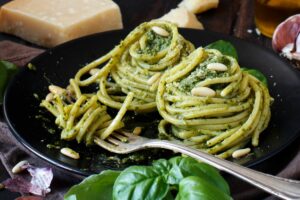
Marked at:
<point>56,66</point>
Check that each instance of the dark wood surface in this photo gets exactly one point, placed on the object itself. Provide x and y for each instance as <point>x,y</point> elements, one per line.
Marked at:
<point>232,17</point>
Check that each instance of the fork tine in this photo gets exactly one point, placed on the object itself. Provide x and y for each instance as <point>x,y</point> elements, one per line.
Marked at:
<point>104,144</point>
<point>113,141</point>
<point>120,137</point>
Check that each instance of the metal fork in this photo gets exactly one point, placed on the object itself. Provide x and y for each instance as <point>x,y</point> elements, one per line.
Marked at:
<point>123,143</point>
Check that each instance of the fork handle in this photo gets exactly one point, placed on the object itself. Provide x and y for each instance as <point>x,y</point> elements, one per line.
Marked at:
<point>280,187</point>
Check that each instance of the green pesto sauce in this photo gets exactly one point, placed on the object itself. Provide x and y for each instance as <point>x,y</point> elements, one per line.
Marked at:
<point>155,43</point>
<point>201,73</point>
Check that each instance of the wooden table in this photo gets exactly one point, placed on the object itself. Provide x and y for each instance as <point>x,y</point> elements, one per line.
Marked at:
<point>232,17</point>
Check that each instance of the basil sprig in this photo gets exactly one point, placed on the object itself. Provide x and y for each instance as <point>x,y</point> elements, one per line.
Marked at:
<point>178,178</point>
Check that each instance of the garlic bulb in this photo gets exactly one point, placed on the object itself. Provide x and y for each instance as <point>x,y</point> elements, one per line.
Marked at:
<point>286,38</point>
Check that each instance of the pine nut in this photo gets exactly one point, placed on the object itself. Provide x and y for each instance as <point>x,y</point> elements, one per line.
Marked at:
<point>70,153</point>
<point>241,152</point>
<point>137,130</point>
<point>203,92</point>
<point>160,31</point>
<point>19,167</point>
<point>56,90</point>
<point>94,71</point>
<point>154,78</point>
<point>49,97</point>
<point>217,67</point>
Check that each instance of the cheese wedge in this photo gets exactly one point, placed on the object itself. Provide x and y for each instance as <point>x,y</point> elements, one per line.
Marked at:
<point>198,6</point>
<point>51,22</point>
<point>183,18</point>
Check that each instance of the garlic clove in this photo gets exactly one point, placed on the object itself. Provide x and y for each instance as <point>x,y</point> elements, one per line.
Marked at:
<point>286,51</point>
<point>297,43</point>
<point>292,51</point>
<point>286,32</point>
<point>288,48</point>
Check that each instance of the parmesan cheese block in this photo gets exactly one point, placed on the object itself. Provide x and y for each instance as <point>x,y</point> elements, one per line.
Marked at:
<point>52,22</point>
<point>198,6</point>
<point>183,18</point>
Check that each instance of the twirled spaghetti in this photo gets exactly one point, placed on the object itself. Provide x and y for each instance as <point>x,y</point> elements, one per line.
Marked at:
<point>127,78</point>
<point>236,111</point>
<point>136,65</point>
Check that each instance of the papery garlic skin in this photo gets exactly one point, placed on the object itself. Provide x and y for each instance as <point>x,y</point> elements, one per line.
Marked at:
<point>286,51</point>
<point>286,32</point>
<point>286,38</point>
<point>297,43</point>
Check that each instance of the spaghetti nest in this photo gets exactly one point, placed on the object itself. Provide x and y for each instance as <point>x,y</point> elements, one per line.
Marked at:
<point>136,65</point>
<point>209,103</point>
<point>126,78</point>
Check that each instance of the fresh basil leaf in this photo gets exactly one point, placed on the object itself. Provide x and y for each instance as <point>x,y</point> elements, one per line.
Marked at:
<point>11,67</point>
<point>195,188</point>
<point>185,166</point>
<point>257,74</point>
<point>162,165</point>
<point>175,175</point>
<point>224,47</point>
<point>95,187</point>
<point>140,182</point>
<point>7,70</point>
